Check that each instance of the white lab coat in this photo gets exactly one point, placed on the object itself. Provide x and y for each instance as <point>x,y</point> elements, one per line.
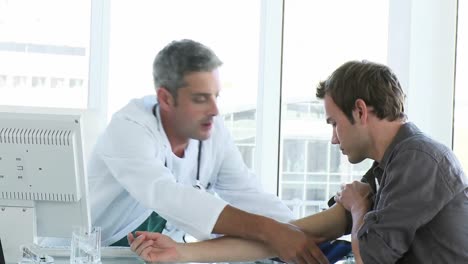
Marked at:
<point>128,180</point>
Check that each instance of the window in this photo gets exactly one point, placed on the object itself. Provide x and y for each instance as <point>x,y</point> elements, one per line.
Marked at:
<point>141,28</point>
<point>42,45</point>
<point>158,22</point>
<point>38,82</point>
<point>76,83</point>
<point>242,126</point>
<point>294,156</point>
<point>311,169</point>
<point>461,87</point>
<point>3,81</point>
<point>318,37</point>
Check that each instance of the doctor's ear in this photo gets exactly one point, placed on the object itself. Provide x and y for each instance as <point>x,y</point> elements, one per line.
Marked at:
<point>165,98</point>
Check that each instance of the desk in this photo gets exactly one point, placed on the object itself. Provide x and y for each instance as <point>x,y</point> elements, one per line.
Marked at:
<point>63,260</point>
<point>136,260</point>
<point>112,255</point>
<point>122,260</point>
<point>107,260</point>
<point>109,255</point>
<point>126,259</point>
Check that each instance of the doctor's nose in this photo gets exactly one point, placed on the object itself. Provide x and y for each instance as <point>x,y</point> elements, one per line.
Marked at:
<point>213,108</point>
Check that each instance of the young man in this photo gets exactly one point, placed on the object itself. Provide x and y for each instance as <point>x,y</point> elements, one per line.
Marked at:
<point>162,157</point>
<point>411,206</point>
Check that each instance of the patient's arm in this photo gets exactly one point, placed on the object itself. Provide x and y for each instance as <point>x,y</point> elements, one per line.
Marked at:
<point>326,225</point>
<point>155,247</point>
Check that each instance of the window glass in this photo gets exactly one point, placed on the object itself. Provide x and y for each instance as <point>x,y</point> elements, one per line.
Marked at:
<point>294,155</point>
<point>293,191</point>
<point>140,28</point>
<point>316,192</point>
<point>461,87</point>
<point>317,156</point>
<point>44,51</point>
<point>319,36</point>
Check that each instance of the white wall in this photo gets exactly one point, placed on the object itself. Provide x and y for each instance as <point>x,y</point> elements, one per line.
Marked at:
<point>421,51</point>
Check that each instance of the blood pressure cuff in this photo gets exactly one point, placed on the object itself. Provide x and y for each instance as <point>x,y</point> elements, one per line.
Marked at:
<point>336,250</point>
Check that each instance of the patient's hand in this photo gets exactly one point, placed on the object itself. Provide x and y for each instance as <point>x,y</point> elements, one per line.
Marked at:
<point>154,247</point>
<point>355,196</point>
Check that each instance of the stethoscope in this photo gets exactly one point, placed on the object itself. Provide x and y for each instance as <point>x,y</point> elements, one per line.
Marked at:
<point>186,237</point>
<point>198,184</point>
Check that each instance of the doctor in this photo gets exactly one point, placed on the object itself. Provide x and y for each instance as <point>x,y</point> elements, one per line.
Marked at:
<point>161,159</point>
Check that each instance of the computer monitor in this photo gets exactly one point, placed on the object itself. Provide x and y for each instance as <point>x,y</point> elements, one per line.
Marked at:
<point>43,186</point>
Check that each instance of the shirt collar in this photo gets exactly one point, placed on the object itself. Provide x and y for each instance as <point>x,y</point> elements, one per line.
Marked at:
<point>406,131</point>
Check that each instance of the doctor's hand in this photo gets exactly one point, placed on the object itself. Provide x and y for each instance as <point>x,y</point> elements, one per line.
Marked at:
<point>294,246</point>
<point>154,247</point>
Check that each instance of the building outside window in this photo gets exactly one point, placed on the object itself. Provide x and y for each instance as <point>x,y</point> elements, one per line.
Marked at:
<point>234,40</point>
<point>38,82</point>
<point>42,44</point>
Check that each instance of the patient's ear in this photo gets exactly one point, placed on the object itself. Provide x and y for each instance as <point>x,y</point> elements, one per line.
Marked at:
<point>361,111</point>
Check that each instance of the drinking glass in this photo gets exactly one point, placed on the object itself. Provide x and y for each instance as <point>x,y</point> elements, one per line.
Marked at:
<point>86,246</point>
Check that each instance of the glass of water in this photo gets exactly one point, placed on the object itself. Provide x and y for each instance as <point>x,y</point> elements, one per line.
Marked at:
<point>86,246</point>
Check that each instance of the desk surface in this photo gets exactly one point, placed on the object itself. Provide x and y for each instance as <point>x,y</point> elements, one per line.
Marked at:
<point>109,255</point>
<point>63,260</point>
<point>107,260</point>
<point>120,260</point>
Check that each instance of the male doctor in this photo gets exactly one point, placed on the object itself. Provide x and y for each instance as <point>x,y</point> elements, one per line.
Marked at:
<point>161,159</point>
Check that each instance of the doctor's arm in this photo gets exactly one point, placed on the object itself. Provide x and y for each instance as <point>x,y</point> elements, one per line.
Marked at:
<point>285,240</point>
<point>323,226</point>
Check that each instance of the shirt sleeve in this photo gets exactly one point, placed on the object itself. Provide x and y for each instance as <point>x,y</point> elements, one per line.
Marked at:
<point>412,192</point>
<point>242,189</point>
<point>130,152</point>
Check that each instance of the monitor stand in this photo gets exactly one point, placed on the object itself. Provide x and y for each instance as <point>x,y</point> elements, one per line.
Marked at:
<point>16,229</point>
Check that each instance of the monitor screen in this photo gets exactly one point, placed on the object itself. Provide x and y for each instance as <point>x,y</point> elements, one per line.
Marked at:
<point>43,187</point>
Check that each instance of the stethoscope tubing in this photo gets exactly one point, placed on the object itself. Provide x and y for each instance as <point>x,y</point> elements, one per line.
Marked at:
<point>198,184</point>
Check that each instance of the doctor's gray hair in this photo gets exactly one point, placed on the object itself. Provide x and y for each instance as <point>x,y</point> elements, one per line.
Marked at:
<point>179,58</point>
